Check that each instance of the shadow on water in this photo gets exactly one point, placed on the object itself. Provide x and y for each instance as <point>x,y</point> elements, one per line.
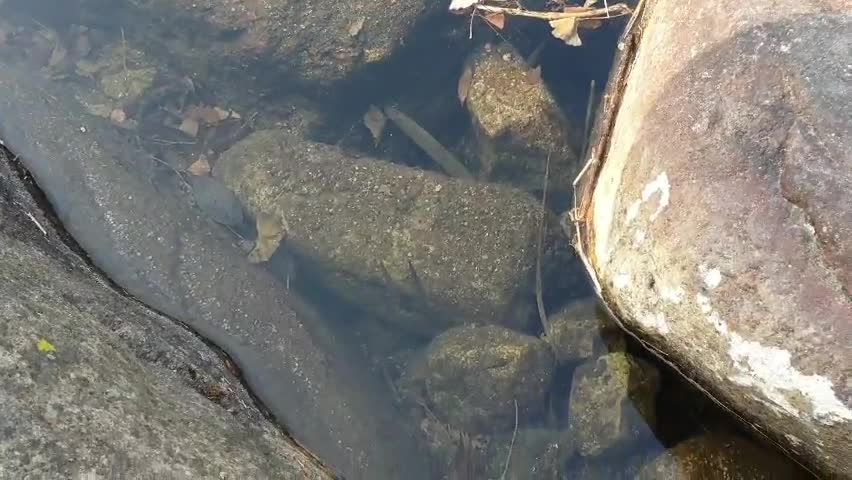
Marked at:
<point>385,316</point>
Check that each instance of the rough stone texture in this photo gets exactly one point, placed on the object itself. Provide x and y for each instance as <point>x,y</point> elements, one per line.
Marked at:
<point>518,123</point>
<point>124,391</point>
<point>720,456</point>
<point>612,403</point>
<point>316,40</point>
<point>581,330</point>
<point>423,250</point>
<point>722,216</point>
<point>165,253</point>
<point>471,377</point>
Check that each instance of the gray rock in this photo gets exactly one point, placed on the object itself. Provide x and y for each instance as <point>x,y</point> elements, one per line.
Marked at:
<point>612,403</point>
<point>581,330</point>
<point>720,226</point>
<point>722,456</point>
<point>160,250</point>
<point>518,123</point>
<point>473,376</point>
<point>422,250</point>
<point>538,453</point>
<point>94,384</point>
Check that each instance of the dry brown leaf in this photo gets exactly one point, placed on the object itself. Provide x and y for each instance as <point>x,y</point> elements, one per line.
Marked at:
<point>356,26</point>
<point>205,115</point>
<point>271,229</point>
<point>498,20</point>
<point>465,82</point>
<point>189,126</point>
<point>117,115</point>
<point>566,30</point>
<point>200,167</point>
<point>375,121</point>
<point>533,75</point>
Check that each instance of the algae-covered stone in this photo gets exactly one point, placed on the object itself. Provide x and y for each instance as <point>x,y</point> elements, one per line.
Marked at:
<point>319,41</point>
<point>474,376</point>
<point>518,123</point>
<point>720,456</point>
<point>612,402</point>
<point>422,250</point>
<point>581,330</point>
<point>129,84</point>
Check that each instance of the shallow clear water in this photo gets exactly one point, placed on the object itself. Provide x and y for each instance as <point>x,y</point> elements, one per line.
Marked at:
<point>258,184</point>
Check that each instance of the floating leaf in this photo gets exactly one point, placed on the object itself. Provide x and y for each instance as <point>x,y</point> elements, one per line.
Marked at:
<point>498,20</point>
<point>271,229</point>
<point>356,27</point>
<point>375,121</point>
<point>566,30</point>
<point>44,346</point>
<point>465,82</point>
<point>199,167</point>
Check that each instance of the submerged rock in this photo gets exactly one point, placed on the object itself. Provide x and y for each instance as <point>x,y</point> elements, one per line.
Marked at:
<point>163,252</point>
<point>720,223</point>
<point>538,453</point>
<point>216,200</point>
<point>518,124</point>
<point>721,456</point>
<point>612,402</point>
<point>321,41</point>
<point>472,376</point>
<point>95,385</point>
<point>582,330</point>
<point>422,250</point>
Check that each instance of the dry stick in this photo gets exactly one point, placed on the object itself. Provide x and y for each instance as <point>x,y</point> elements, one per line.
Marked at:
<point>511,444</point>
<point>539,300</point>
<point>440,155</point>
<point>616,10</point>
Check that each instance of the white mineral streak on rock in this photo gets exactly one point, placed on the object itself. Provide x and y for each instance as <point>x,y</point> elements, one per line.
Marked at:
<point>672,295</point>
<point>794,440</point>
<point>621,281</point>
<point>659,184</point>
<point>703,303</point>
<point>712,276</point>
<point>656,321</point>
<point>633,211</point>
<point>770,370</point>
<point>639,236</point>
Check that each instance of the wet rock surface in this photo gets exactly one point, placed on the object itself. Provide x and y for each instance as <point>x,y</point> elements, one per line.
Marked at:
<point>471,377</point>
<point>582,330</point>
<point>160,249</point>
<point>95,384</point>
<point>721,216</point>
<point>318,41</point>
<point>425,250</point>
<point>722,456</point>
<point>612,403</point>
<point>518,124</point>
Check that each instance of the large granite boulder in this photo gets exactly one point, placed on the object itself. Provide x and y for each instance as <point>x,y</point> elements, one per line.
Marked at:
<point>93,384</point>
<point>717,213</point>
<point>156,246</point>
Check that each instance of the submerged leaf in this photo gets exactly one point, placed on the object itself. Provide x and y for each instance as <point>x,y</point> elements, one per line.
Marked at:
<point>199,167</point>
<point>566,30</point>
<point>189,126</point>
<point>271,229</point>
<point>356,26</point>
<point>375,121</point>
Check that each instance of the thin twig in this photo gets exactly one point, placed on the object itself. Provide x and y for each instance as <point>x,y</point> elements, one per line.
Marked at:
<point>31,217</point>
<point>539,299</point>
<point>587,126</point>
<point>511,444</point>
<point>616,10</point>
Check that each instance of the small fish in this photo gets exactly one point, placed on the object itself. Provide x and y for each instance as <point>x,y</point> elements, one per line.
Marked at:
<point>216,200</point>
